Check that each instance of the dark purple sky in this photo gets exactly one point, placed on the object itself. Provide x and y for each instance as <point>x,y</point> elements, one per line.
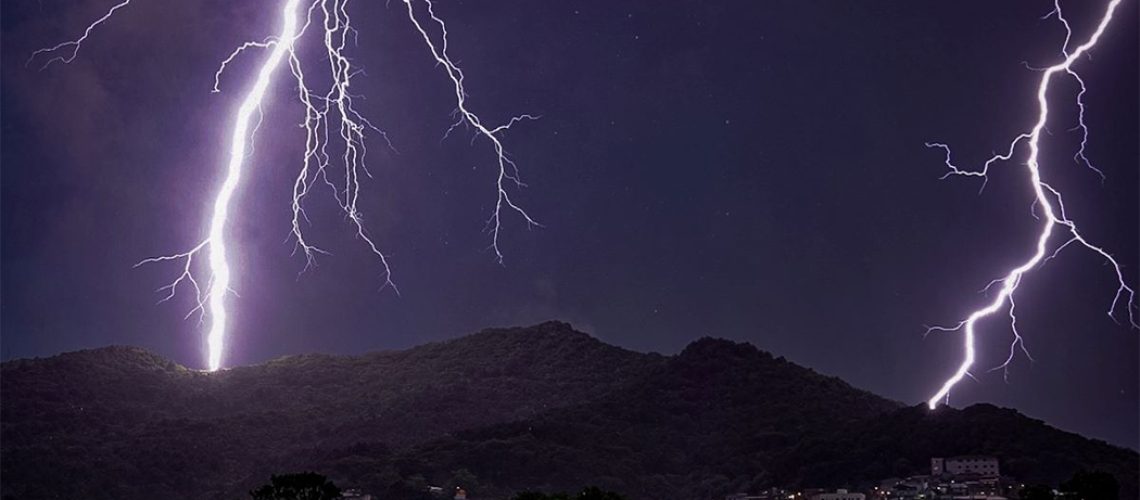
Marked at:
<point>749,170</point>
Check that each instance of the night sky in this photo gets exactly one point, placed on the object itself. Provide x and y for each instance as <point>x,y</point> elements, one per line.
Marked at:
<point>748,170</point>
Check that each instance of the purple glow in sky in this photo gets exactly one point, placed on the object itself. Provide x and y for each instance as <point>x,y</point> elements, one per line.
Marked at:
<point>753,171</point>
<point>322,110</point>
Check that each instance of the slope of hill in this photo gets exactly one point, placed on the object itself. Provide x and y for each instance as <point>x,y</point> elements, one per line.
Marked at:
<point>120,422</point>
<point>903,441</point>
<point>711,420</point>
<point>724,417</point>
<point>499,411</point>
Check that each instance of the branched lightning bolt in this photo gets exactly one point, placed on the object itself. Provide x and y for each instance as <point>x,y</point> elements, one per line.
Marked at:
<point>65,52</point>
<point>1051,205</point>
<point>323,112</point>
<point>213,298</point>
<point>508,171</point>
<point>330,117</point>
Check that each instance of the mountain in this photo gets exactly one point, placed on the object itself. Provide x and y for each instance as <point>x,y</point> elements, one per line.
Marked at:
<point>723,417</point>
<point>498,411</point>
<point>120,422</point>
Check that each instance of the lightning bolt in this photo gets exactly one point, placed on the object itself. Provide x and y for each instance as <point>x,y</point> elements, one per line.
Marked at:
<point>1052,210</point>
<point>330,117</point>
<point>508,171</point>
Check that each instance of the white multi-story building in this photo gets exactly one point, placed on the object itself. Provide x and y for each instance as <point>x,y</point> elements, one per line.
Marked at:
<point>969,464</point>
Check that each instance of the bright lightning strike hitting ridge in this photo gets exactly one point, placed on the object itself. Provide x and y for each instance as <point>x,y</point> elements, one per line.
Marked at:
<point>329,117</point>
<point>1052,209</point>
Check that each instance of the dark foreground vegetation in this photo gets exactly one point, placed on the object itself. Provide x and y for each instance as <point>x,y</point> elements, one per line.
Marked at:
<point>499,412</point>
<point>313,486</point>
<point>591,493</point>
<point>1084,485</point>
<point>301,486</point>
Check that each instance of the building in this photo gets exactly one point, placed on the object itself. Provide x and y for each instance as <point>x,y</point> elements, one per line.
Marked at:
<point>838,495</point>
<point>981,466</point>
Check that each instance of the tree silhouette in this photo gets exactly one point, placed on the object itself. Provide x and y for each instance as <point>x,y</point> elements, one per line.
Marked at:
<point>591,493</point>
<point>1036,492</point>
<point>1092,486</point>
<point>303,486</point>
<point>595,493</point>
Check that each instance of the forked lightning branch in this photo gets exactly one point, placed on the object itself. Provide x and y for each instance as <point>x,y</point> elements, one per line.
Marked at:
<point>330,117</point>
<point>1058,230</point>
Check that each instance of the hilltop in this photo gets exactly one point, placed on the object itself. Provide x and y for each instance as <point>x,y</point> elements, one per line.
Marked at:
<point>502,410</point>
